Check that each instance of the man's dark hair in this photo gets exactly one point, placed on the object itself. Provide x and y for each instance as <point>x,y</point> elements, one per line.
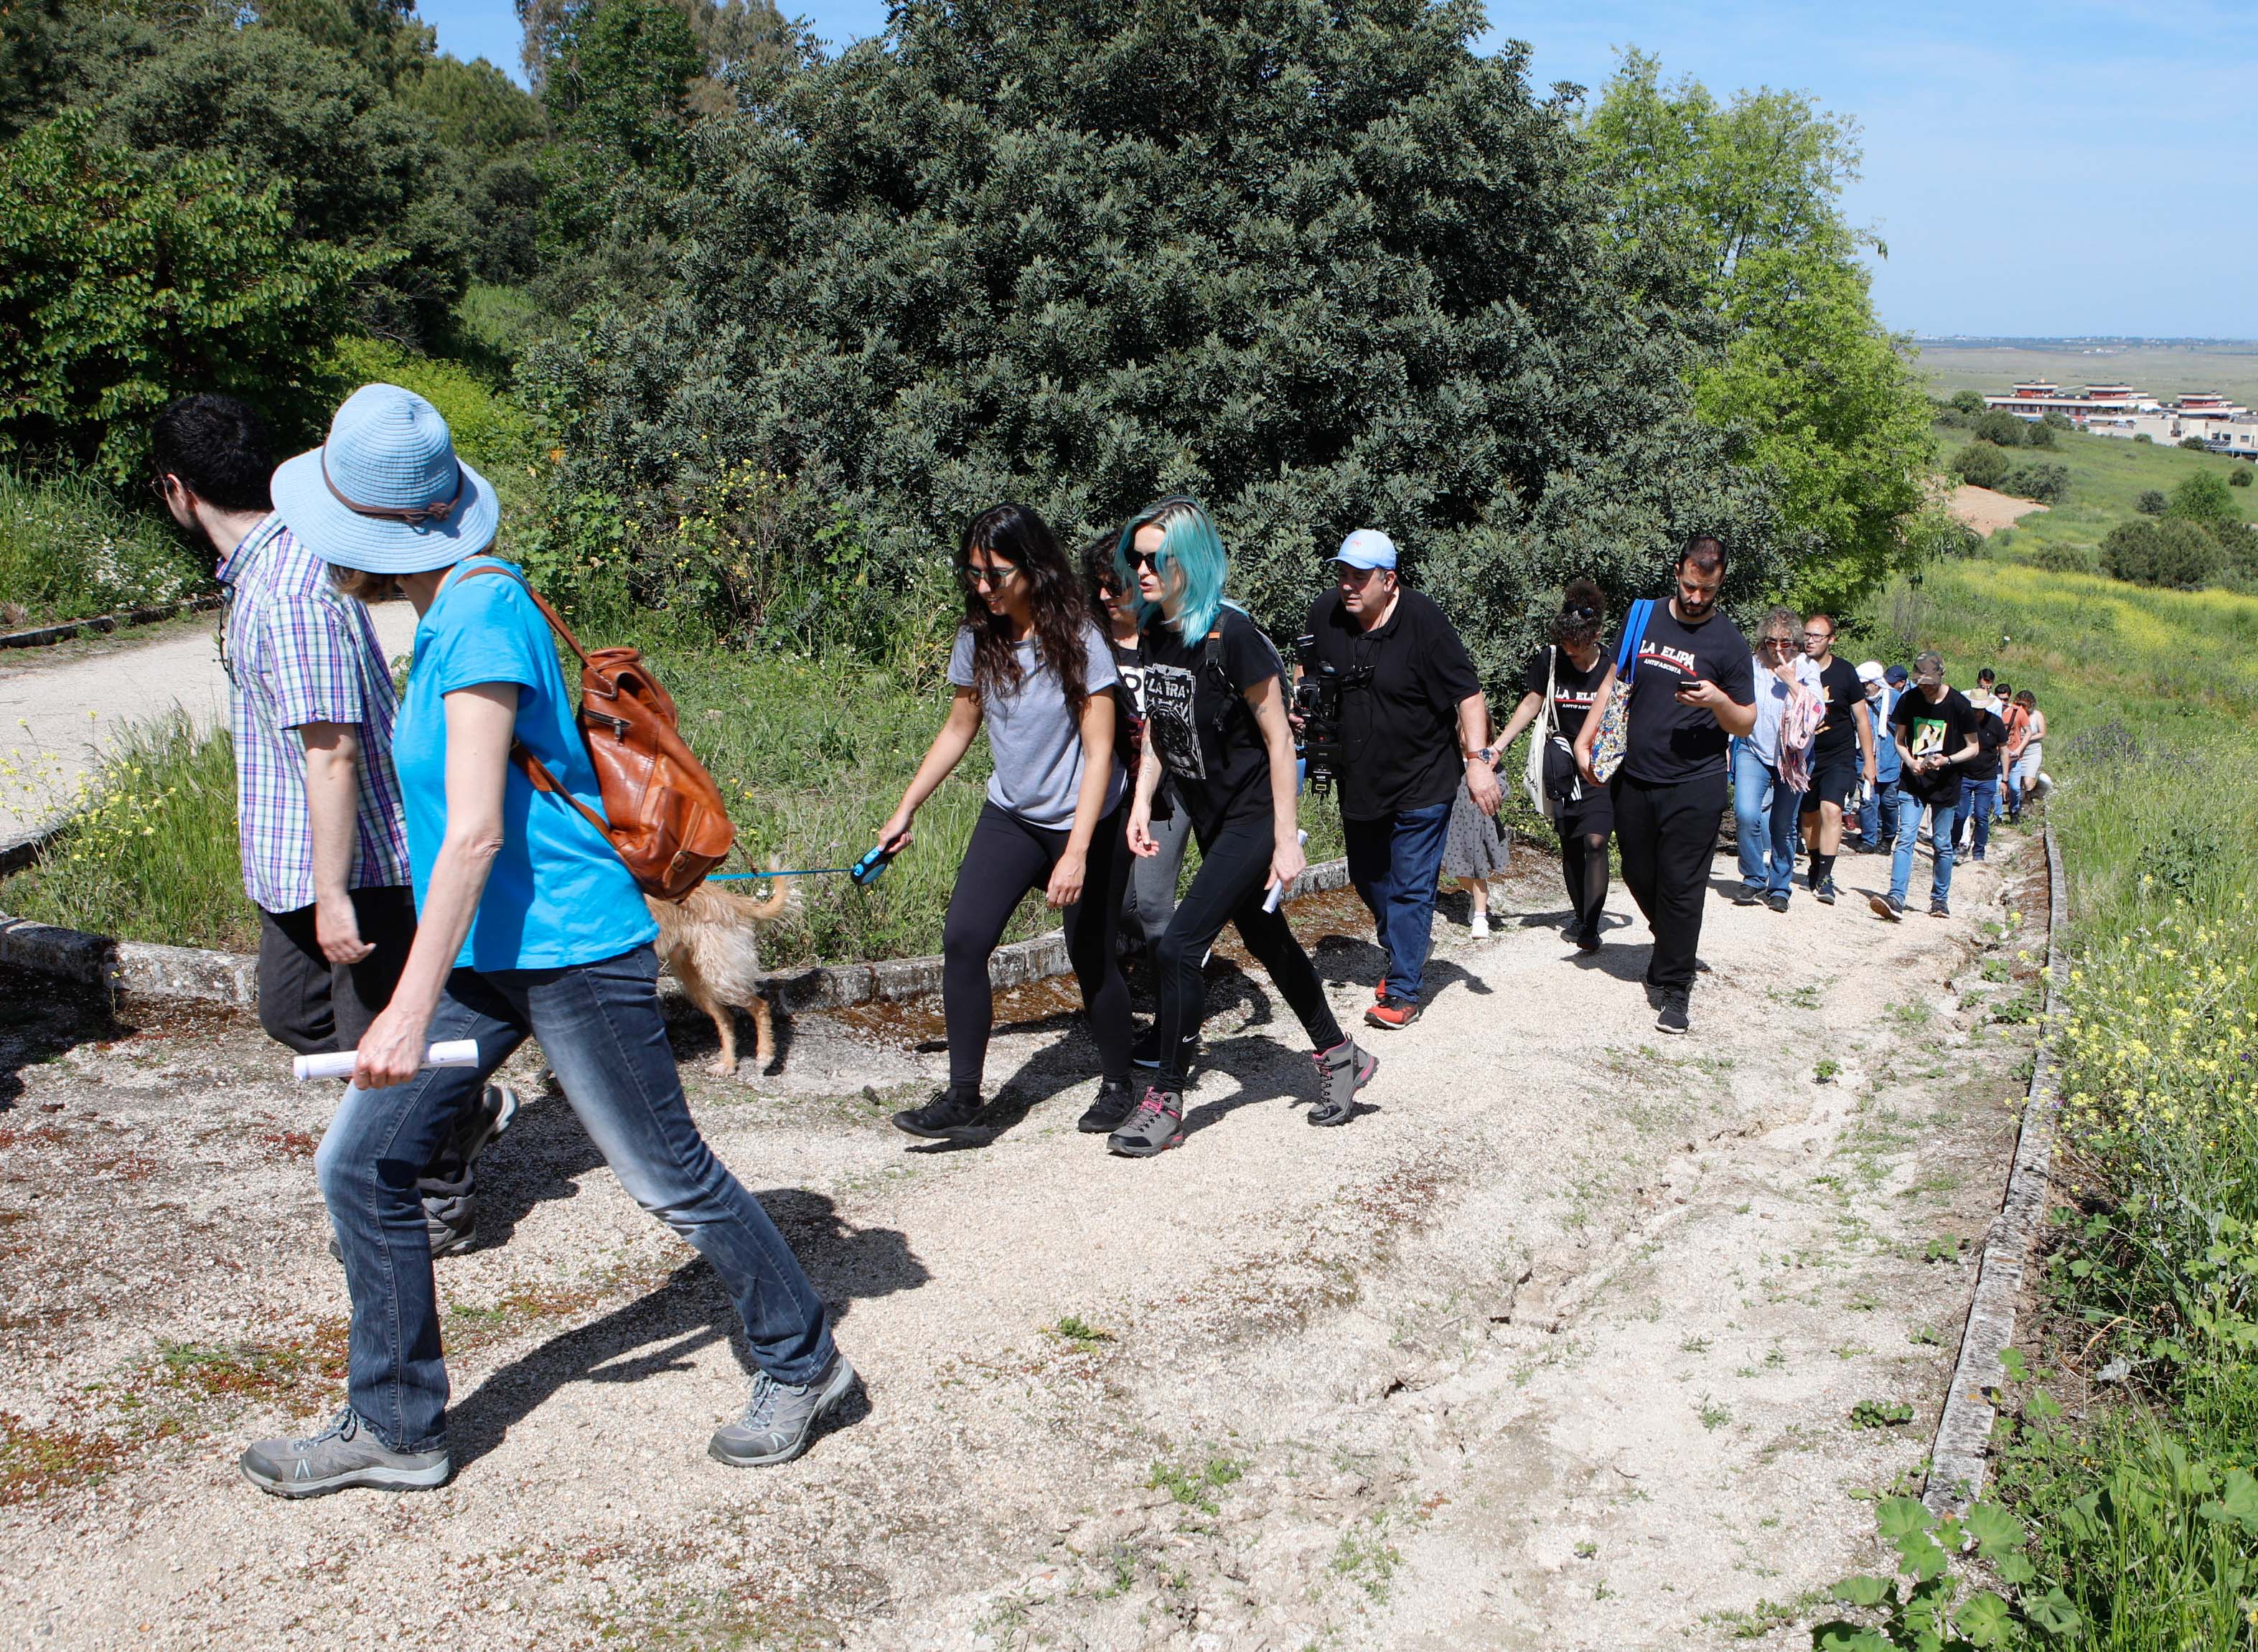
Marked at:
<point>1987,674</point>
<point>218,447</point>
<point>1706,551</point>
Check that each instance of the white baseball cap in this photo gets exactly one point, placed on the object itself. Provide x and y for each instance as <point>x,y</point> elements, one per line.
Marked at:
<point>1869,670</point>
<point>1366,547</point>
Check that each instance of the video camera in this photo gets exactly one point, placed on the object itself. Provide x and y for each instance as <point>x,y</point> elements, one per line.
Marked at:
<point>1317,712</point>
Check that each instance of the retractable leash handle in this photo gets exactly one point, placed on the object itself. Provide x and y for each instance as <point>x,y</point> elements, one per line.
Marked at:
<point>866,871</point>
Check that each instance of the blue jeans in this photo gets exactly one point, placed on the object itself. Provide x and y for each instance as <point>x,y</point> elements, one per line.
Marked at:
<point>1979,800</point>
<point>1940,824</point>
<point>1394,861</point>
<point>1880,804</point>
<point>599,1024</point>
<point>1765,821</point>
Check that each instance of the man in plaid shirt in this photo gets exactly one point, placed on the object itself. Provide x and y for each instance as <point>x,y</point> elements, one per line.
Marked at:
<point>323,835</point>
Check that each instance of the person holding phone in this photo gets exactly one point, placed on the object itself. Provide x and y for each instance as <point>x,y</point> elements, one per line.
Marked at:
<point>1692,688</point>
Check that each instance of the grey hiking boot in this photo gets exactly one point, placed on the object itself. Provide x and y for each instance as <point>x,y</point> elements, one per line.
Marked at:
<point>779,1419</point>
<point>344,1454</point>
<point>1115,1103</point>
<point>1157,1125</point>
<point>1342,1071</point>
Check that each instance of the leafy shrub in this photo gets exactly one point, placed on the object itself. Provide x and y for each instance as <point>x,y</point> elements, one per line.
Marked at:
<point>2056,421</point>
<point>2239,477</point>
<point>68,552</point>
<point>2152,502</point>
<point>2040,435</point>
<point>126,280</point>
<point>1326,267</point>
<point>2202,497</point>
<point>2044,483</point>
<point>1969,402</point>
<point>1981,464</point>
<point>1926,1608</point>
<point>2195,444</point>
<point>2002,427</point>
<point>2144,436</point>
<point>2056,557</point>
<point>2174,553</point>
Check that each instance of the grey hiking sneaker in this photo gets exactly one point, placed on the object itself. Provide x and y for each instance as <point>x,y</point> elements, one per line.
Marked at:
<point>1157,1125</point>
<point>779,1419</point>
<point>1342,1071</point>
<point>1673,1017</point>
<point>496,1111</point>
<point>344,1454</point>
<point>1114,1103</point>
<point>1887,907</point>
<point>1825,893</point>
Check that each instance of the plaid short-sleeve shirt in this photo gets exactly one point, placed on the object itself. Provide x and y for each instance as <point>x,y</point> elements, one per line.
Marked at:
<point>300,651</point>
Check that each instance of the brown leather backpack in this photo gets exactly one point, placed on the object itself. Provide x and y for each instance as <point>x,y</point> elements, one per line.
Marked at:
<point>667,818</point>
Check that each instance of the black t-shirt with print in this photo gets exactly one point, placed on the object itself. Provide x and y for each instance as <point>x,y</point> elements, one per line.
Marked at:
<point>1573,689</point>
<point>1935,729</point>
<point>1669,741</point>
<point>1402,683</point>
<point>1129,697</point>
<point>1199,722</point>
<point>1838,730</point>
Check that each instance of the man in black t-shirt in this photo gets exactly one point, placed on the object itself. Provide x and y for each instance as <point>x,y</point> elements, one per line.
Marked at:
<point>1413,725</point>
<point>1935,727</point>
<point>1691,686</point>
<point>1842,750</point>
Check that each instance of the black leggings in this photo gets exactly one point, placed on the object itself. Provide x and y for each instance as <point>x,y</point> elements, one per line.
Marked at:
<point>1584,868</point>
<point>1229,888</point>
<point>1005,859</point>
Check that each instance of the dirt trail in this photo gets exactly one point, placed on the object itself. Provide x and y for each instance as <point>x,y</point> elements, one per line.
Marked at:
<point>61,706</point>
<point>1555,1346</point>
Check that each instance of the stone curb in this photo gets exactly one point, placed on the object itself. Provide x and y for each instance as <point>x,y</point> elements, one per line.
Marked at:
<point>1958,1457</point>
<point>141,969</point>
<point>41,637</point>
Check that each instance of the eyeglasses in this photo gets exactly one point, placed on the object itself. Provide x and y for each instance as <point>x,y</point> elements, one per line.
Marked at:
<point>1140,560</point>
<point>997,575</point>
<point>1781,643</point>
<point>1817,636</point>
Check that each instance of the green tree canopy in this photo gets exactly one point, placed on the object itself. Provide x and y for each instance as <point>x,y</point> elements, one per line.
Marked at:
<point>474,108</point>
<point>1315,262</point>
<point>127,278</point>
<point>2202,497</point>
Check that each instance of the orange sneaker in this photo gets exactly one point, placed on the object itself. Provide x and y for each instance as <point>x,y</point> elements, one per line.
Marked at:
<point>1392,1013</point>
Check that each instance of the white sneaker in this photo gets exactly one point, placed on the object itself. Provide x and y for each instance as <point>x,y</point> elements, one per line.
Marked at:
<point>1479,927</point>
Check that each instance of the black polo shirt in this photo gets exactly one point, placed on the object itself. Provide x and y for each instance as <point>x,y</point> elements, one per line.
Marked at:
<point>1404,681</point>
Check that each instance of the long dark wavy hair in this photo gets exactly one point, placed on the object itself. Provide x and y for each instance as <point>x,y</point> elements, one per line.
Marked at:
<point>1015,534</point>
<point>1583,611</point>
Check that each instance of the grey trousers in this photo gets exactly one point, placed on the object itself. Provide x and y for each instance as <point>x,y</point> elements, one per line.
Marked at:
<point>1150,901</point>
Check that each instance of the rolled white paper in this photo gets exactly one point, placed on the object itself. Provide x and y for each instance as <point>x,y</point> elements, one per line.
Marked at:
<point>339,1063</point>
<point>1278,890</point>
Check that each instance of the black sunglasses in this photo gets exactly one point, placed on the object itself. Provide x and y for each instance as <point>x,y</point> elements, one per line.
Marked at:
<point>996,574</point>
<point>1140,560</point>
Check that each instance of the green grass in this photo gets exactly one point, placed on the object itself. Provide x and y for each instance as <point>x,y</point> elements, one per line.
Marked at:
<point>2230,369</point>
<point>68,551</point>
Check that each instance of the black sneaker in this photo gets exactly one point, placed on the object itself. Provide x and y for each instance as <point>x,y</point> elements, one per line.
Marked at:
<point>1748,897</point>
<point>942,1117</point>
<point>1887,907</point>
<point>1825,893</point>
<point>1938,909</point>
<point>1778,903</point>
<point>1675,1003</point>
<point>1114,1103</point>
<point>1587,938</point>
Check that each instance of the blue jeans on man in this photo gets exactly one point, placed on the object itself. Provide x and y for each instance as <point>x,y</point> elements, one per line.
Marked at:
<point>600,1028</point>
<point>1764,814</point>
<point>1880,804</point>
<point>1942,818</point>
<point>1979,801</point>
<point>1393,859</point>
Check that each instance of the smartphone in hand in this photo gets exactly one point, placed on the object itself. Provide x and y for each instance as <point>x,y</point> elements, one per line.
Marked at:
<point>1690,692</point>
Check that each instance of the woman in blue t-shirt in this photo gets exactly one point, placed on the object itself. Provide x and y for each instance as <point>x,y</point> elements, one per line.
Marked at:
<point>530,925</point>
<point>1030,667</point>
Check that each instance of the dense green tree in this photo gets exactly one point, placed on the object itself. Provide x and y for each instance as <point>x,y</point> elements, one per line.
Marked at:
<point>2038,432</point>
<point>2173,553</point>
<point>618,84</point>
<point>1969,402</point>
<point>2048,484</point>
<point>474,108</point>
<point>128,278</point>
<point>736,40</point>
<point>2152,501</point>
<point>356,170</point>
<point>2002,429</point>
<point>2239,477</point>
<point>1981,464</point>
<point>1314,260</point>
<point>1736,207</point>
<point>2202,497</point>
<point>384,37</point>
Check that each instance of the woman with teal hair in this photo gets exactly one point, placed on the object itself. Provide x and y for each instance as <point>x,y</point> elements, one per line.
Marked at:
<point>1215,711</point>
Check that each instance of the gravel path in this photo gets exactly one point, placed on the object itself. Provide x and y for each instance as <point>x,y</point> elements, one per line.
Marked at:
<point>1555,1346</point>
<point>60,707</point>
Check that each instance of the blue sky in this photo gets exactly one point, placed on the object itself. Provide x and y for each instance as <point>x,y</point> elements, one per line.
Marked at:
<point>2074,168</point>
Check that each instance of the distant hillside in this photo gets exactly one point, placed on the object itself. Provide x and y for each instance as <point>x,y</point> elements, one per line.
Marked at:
<point>2163,366</point>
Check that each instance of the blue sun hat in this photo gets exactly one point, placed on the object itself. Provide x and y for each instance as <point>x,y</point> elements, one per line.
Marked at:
<point>385,494</point>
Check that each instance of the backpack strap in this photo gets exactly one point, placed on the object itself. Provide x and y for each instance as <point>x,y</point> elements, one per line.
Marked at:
<point>536,773</point>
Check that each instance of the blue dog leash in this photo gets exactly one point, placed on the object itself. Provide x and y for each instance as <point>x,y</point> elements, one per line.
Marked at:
<point>864,872</point>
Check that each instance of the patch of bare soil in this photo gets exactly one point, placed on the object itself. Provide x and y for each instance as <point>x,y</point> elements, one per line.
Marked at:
<point>1557,1346</point>
<point>1987,511</point>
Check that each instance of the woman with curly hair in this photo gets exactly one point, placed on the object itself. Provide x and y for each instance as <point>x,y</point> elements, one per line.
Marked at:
<point>1030,667</point>
<point>1569,669</point>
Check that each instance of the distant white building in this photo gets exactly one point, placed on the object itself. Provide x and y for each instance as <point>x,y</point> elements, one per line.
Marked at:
<point>2119,410</point>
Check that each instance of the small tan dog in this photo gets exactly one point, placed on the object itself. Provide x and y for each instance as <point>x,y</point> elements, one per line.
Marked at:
<point>709,941</point>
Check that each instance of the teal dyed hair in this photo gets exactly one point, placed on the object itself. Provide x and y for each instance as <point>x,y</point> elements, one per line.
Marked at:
<point>1190,544</point>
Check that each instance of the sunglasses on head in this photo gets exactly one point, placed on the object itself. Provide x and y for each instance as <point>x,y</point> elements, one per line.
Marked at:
<point>1580,611</point>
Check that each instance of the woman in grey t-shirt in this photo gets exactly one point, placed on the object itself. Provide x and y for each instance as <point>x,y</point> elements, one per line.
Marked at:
<point>1029,665</point>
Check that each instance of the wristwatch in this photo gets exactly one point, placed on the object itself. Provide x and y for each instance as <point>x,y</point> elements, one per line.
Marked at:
<point>1488,755</point>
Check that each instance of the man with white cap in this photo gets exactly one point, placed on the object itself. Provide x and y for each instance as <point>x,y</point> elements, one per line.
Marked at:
<point>1414,723</point>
